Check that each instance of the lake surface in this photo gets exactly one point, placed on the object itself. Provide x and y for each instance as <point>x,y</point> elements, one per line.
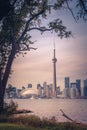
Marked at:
<point>74,108</point>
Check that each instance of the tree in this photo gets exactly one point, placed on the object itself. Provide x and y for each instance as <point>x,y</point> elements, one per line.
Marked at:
<point>18,19</point>
<point>80,5</point>
<point>24,16</point>
<point>10,91</point>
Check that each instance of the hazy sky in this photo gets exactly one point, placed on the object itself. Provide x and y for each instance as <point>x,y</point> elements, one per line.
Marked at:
<point>37,67</point>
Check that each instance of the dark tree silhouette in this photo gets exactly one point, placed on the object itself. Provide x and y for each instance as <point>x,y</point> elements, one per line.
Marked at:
<point>5,7</point>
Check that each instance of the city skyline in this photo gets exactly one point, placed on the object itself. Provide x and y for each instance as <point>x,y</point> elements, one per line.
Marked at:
<point>36,67</point>
<point>75,90</point>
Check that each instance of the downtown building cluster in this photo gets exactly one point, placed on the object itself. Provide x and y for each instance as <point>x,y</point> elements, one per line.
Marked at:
<point>76,89</point>
<point>47,91</point>
<point>42,91</point>
<point>14,92</point>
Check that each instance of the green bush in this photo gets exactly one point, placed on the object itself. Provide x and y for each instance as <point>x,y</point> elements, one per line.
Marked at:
<point>34,122</point>
<point>10,108</point>
<point>28,120</point>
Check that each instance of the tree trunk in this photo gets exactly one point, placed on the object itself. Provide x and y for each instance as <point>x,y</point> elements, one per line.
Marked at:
<point>1,94</point>
<point>3,83</point>
<point>1,101</point>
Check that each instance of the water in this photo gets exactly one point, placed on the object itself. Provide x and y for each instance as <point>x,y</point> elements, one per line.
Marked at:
<point>74,108</point>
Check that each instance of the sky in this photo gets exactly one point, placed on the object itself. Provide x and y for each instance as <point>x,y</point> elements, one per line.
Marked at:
<point>37,67</point>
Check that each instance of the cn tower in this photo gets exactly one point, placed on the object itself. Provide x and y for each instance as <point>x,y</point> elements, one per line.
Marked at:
<point>54,72</point>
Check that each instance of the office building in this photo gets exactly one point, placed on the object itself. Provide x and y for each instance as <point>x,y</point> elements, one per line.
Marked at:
<point>73,92</point>
<point>78,86</point>
<point>44,89</point>
<point>85,87</point>
<point>66,93</point>
<point>40,90</point>
<point>29,85</point>
<point>67,82</point>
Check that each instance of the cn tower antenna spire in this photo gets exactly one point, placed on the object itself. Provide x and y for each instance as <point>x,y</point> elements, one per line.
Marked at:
<point>54,41</point>
<point>54,49</point>
<point>54,44</point>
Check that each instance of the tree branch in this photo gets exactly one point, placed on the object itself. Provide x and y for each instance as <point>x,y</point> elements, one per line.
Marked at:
<point>40,29</point>
<point>28,49</point>
<point>14,2</point>
<point>66,116</point>
<point>83,5</point>
<point>70,10</point>
<point>27,24</point>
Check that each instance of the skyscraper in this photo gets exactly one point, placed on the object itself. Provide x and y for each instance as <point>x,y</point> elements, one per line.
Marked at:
<point>29,85</point>
<point>78,86</point>
<point>54,72</point>
<point>67,82</point>
<point>85,87</point>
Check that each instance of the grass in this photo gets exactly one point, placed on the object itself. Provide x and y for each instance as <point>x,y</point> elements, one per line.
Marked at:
<point>10,126</point>
<point>60,126</point>
<point>33,122</point>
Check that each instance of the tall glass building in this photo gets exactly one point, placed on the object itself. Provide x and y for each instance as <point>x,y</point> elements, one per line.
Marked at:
<point>85,87</point>
<point>78,86</point>
<point>67,82</point>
